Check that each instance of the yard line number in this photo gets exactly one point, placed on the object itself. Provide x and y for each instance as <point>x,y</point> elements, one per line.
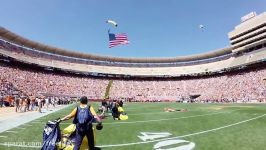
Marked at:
<point>175,144</point>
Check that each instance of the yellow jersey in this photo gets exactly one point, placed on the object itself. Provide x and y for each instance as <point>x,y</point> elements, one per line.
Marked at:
<point>73,113</point>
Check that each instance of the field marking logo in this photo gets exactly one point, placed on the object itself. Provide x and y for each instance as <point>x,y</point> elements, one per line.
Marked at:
<point>145,136</point>
<point>183,144</point>
<point>186,145</point>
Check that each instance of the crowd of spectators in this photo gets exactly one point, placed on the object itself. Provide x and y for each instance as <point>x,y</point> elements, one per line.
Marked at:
<point>11,96</point>
<point>6,91</point>
<point>30,90</point>
<point>33,103</point>
<point>243,86</point>
<point>34,83</point>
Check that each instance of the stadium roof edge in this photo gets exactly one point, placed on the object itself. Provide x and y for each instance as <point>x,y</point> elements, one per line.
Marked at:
<point>17,39</point>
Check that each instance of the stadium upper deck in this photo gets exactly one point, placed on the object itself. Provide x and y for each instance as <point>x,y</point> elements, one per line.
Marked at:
<point>247,39</point>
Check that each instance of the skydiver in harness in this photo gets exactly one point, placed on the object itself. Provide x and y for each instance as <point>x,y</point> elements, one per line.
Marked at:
<point>83,116</point>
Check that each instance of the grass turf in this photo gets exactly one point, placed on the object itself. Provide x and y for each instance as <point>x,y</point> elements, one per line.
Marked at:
<point>149,117</point>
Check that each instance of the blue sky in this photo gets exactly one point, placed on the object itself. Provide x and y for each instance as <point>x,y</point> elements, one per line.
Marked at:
<point>156,28</point>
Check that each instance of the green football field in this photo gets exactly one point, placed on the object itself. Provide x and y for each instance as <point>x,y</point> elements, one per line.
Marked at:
<point>202,127</point>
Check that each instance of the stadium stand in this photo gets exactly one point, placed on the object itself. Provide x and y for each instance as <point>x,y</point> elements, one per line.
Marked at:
<point>239,86</point>
<point>34,83</point>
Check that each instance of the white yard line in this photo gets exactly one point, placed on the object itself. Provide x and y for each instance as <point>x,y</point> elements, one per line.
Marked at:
<point>156,120</point>
<point>144,121</point>
<point>35,121</point>
<point>11,131</point>
<point>148,113</point>
<point>27,125</point>
<point>20,128</point>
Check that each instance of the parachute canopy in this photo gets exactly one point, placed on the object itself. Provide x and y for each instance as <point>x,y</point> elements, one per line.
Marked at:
<point>201,26</point>
<point>112,22</point>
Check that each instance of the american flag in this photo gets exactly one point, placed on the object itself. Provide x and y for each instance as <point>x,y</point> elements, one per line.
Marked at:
<point>116,39</point>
